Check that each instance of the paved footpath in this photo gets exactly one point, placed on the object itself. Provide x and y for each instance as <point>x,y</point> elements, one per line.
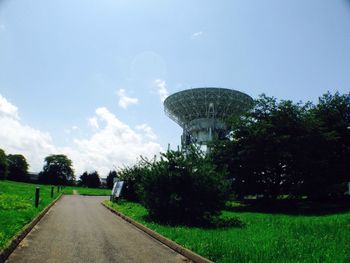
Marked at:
<point>79,229</point>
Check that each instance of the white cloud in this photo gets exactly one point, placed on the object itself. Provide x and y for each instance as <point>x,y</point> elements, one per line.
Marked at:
<point>147,131</point>
<point>7,109</point>
<point>16,137</point>
<point>125,101</point>
<point>93,122</point>
<point>162,91</point>
<point>114,144</point>
<point>197,34</point>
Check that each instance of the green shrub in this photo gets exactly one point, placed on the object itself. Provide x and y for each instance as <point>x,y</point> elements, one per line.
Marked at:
<point>132,177</point>
<point>183,189</point>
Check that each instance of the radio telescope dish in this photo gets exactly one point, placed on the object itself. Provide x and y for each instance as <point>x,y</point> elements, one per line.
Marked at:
<point>201,112</point>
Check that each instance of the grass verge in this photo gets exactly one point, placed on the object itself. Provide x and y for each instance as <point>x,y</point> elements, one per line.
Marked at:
<point>17,207</point>
<point>265,237</point>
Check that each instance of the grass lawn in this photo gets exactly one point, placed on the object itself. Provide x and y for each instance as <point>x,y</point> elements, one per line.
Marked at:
<point>267,237</point>
<point>86,191</point>
<point>17,207</point>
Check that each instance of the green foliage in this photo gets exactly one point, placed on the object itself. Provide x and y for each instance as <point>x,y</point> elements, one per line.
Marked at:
<point>91,180</point>
<point>266,237</point>
<point>132,178</point>
<point>17,207</point>
<point>3,165</point>
<point>327,153</point>
<point>183,189</point>
<point>57,170</point>
<point>110,178</point>
<point>18,168</point>
<point>289,148</point>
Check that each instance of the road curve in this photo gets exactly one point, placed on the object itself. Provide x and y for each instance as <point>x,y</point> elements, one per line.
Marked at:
<point>79,229</point>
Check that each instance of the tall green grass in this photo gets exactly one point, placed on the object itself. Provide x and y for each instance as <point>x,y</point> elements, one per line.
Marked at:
<point>265,238</point>
<point>17,207</point>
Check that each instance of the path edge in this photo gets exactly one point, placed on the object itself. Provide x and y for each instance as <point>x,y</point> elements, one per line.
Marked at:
<point>5,253</point>
<point>169,243</point>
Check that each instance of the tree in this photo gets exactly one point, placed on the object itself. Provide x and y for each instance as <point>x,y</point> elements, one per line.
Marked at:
<point>263,152</point>
<point>91,180</point>
<point>3,165</point>
<point>18,168</point>
<point>288,148</point>
<point>110,178</point>
<point>328,146</point>
<point>94,180</point>
<point>57,170</point>
<point>84,179</point>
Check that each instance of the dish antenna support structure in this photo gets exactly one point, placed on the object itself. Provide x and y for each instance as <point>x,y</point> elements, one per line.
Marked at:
<point>201,112</point>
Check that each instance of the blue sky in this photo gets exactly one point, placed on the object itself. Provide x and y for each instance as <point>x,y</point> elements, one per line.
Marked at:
<point>87,78</point>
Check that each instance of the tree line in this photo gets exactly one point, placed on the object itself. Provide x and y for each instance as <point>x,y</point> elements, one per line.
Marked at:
<point>57,170</point>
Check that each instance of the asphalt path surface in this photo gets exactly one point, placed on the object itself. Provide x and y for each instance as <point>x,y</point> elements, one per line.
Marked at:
<point>79,229</point>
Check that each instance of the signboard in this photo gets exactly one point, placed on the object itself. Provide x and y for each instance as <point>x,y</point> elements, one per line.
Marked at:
<point>117,188</point>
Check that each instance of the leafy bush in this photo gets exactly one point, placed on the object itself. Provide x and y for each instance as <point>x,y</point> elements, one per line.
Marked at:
<point>183,189</point>
<point>132,178</point>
